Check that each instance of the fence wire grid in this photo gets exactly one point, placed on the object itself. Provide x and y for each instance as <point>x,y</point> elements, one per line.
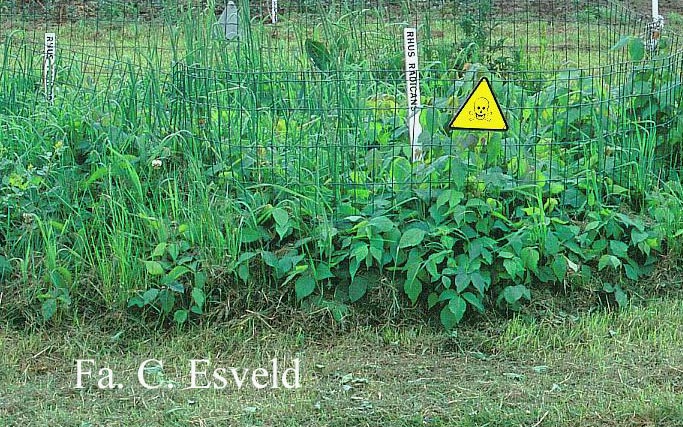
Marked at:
<point>309,96</point>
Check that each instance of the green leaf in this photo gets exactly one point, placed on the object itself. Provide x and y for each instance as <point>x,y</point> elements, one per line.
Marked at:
<point>513,294</point>
<point>413,288</point>
<point>304,286</point>
<point>552,244</point>
<point>377,249</point>
<point>452,197</point>
<point>290,262</point>
<point>48,308</point>
<point>638,236</point>
<point>432,300</point>
<point>176,286</point>
<point>360,251</point>
<point>620,296</point>
<point>457,306</point>
<point>246,256</point>
<point>270,259</point>
<point>243,272</point>
<point>610,260</point>
<point>283,230</point>
<point>622,42</point>
<point>94,176</point>
<point>5,266</point>
<point>150,295</point>
<point>159,250</point>
<point>443,198</point>
<point>400,174</point>
<point>323,272</point>
<point>480,282</point>
<point>200,279</point>
<point>600,245</point>
<point>358,288</point>
<point>431,267</point>
<point>474,301</point>
<point>382,224</point>
<point>280,216</point>
<point>632,222</point>
<point>61,277</point>
<point>447,295</point>
<point>187,261</point>
<point>516,243</point>
<point>177,272</point>
<point>462,281</point>
<point>167,300</point>
<point>448,319</point>
<point>125,164</point>
<point>318,54</point>
<point>180,316</point>
<point>632,271</point>
<point>136,301</point>
<point>593,225</point>
<point>251,235</point>
<point>446,282</point>
<point>354,265</point>
<point>636,49</point>
<point>559,267</point>
<point>618,248</point>
<point>530,257</point>
<point>198,296</point>
<point>154,268</point>
<point>173,250</point>
<point>412,237</point>
<point>514,267</point>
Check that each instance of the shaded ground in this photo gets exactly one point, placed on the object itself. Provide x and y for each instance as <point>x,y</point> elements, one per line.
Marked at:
<point>557,6</point>
<point>597,369</point>
<point>665,6</point>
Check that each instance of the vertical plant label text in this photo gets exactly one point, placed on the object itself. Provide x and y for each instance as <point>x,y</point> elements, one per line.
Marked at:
<point>413,90</point>
<point>49,71</point>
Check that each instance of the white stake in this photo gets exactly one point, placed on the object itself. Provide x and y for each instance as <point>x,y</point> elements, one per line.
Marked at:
<point>273,11</point>
<point>49,71</point>
<point>655,27</point>
<point>413,91</point>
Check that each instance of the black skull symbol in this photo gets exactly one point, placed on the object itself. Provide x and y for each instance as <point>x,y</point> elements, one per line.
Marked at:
<point>481,108</point>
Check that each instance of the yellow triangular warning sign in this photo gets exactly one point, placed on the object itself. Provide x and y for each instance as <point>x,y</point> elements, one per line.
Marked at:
<point>480,111</point>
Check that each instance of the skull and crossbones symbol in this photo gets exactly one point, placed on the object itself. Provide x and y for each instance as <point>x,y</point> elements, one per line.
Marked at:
<point>481,110</point>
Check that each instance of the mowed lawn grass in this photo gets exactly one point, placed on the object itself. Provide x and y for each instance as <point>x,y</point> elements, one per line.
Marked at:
<point>597,368</point>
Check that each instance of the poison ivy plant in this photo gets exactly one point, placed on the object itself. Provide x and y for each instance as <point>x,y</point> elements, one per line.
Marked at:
<point>180,288</point>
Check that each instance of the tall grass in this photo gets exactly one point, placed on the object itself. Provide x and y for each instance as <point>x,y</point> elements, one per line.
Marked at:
<point>200,139</point>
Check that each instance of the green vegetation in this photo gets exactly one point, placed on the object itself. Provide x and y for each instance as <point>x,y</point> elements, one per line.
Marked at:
<point>212,168</point>
<point>188,196</point>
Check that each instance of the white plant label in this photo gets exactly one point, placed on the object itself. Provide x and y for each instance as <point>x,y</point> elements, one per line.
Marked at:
<point>655,28</point>
<point>413,91</point>
<point>273,11</point>
<point>49,71</point>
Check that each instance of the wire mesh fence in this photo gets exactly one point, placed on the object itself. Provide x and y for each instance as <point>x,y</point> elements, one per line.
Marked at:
<point>310,97</point>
